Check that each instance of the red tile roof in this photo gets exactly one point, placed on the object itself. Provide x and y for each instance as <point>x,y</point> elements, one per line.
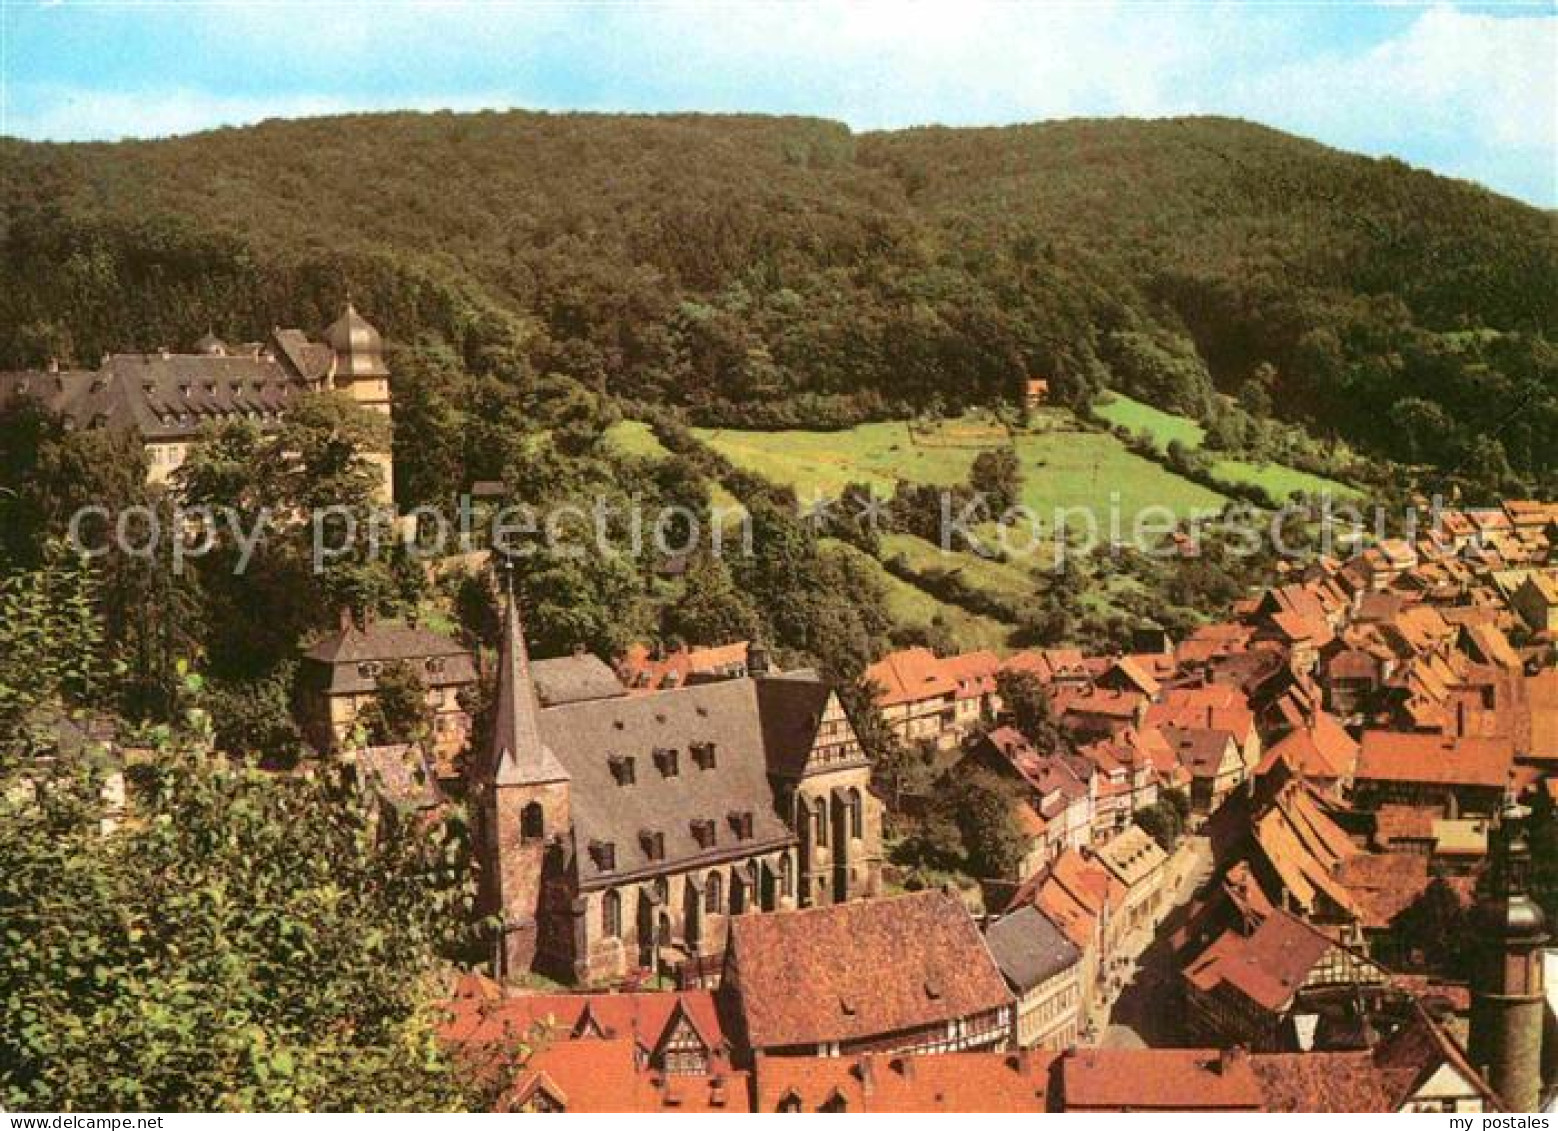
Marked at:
<point>1158,1080</point>
<point>868,967</point>
<point>640,672</point>
<point>909,676</point>
<point>602,1076</point>
<point>971,1082</point>
<point>1267,966</point>
<point>1433,759</point>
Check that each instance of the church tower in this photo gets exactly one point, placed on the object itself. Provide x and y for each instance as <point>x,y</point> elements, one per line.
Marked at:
<point>522,797</point>
<point>1507,997</point>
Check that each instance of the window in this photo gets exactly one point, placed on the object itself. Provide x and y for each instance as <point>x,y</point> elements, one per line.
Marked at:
<point>611,914</point>
<point>854,814</point>
<point>435,665</point>
<point>819,816</point>
<point>786,882</point>
<point>653,844</point>
<point>703,832</point>
<point>714,894</point>
<point>703,755</point>
<point>622,769</point>
<point>604,853</point>
<point>370,670</point>
<point>741,824</point>
<point>666,761</point>
<point>532,822</point>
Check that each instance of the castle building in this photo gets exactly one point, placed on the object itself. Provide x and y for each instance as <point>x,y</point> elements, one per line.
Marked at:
<point>169,399</point>
<point>1507,1008</point>
<point>340,673</point>
<point>623,834</point>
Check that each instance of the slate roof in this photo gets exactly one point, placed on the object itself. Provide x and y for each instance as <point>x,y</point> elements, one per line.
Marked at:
<point>868,967</point>
<point>345,650</point>
<point>585,736</point>
<point>165,397</point>
<point>1029,948</point>
<point>791,707</point>
<point>574,679</point>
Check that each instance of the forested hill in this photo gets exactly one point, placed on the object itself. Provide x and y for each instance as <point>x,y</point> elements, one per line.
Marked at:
<point>768,270</point>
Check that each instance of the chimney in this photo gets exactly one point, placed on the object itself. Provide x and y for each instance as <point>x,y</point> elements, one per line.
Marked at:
<point>757,658</point>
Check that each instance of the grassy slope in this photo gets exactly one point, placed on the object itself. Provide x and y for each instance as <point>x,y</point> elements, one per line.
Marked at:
<point>1062,467</point>
<point>1278,480</point>
<point>911,606</point>
<point>635,438</point>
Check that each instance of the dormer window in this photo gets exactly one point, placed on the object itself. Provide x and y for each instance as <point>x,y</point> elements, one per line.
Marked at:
<point>435,666</point>
<point>666,761</point>
<point>703,832</point>
<point>741,824</point>
<point>604,853</point>
<point>653,844</point>
<point>370,669</point>
<point>703,754</point>
<point>622,769</point>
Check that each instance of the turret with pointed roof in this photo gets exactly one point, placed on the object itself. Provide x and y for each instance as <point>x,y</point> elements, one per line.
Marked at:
<point>524,804</point>
<point>519,756</point>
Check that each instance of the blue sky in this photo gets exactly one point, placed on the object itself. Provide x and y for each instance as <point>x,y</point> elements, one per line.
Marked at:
<point>1467,90</point>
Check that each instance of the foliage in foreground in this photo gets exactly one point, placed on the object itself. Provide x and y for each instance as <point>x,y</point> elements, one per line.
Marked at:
<point>240,942</point>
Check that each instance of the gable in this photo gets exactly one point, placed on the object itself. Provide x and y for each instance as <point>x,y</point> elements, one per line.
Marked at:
<point>1444,1083</point>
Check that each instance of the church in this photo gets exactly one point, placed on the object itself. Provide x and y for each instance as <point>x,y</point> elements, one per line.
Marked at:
<point>169,399</point>
<point>618,835</point>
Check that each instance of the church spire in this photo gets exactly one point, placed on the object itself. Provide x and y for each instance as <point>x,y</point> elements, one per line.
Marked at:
<point>519,756</point>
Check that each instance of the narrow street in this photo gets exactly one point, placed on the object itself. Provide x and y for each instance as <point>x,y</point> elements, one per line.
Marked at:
<point>1144,1011</point>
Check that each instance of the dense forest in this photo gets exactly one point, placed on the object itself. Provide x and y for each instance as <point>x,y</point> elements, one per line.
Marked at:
<point>768,271</point>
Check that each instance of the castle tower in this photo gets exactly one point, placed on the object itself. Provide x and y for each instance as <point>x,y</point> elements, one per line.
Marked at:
<point>523,802</point>
<point>1507,997</point>
<point>358,369</point>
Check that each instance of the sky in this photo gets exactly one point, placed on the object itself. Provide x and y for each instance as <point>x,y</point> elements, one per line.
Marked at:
<point>1466,90</point>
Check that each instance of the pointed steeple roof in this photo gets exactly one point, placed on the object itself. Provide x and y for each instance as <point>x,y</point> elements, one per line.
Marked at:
<point>519,755</point>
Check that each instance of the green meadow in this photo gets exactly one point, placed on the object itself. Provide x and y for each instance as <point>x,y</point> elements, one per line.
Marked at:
<point>1064,467</point>
<point>1276,479</point>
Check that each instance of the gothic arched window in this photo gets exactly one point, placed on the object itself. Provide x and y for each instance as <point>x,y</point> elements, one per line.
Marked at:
<point>784,876</point>
<point>532,822</point>
<point>855,817</point>
<point>611,914</point>
<point>714,894</point>
<point>820,819</point>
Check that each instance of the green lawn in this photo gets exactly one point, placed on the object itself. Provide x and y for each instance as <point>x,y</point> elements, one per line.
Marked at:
<point>1063,467</point>
<point>1011,581</point>
<point>1279,480</point>
<point>1163,427</point>
<point>635,438</point>
<point>909,606</point>
<point>1276,479</point>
